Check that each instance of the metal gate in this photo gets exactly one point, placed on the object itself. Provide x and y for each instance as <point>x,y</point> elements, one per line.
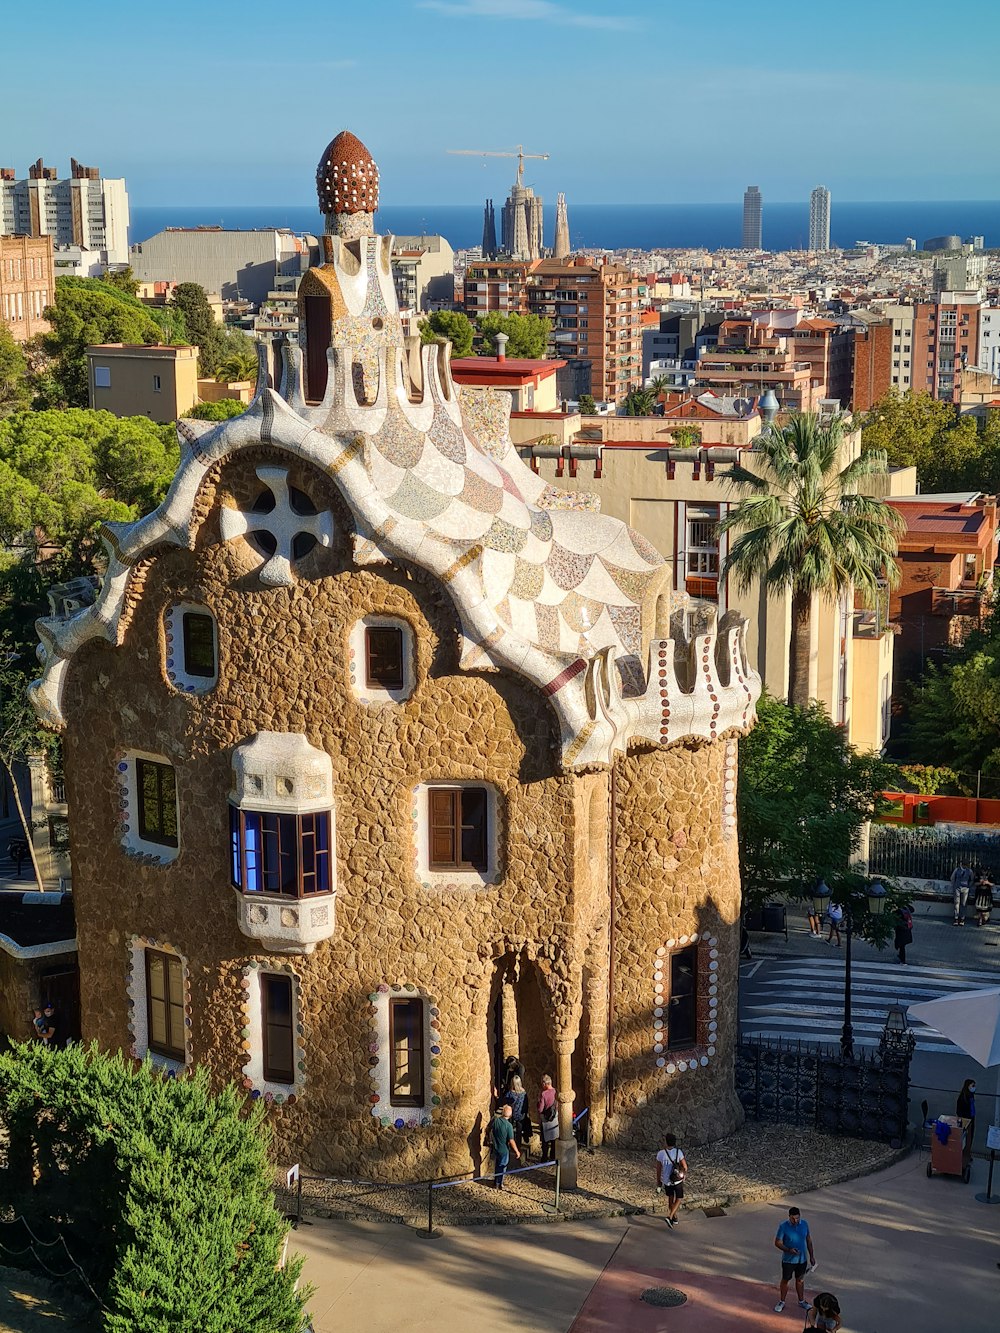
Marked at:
<point>796,1083</point>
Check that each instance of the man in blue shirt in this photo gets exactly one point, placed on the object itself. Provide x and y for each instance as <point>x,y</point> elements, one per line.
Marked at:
<point>502,1142</point>
<point>794,1241</point>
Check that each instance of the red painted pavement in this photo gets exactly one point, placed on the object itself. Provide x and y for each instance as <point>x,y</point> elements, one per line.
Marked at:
<point>714,1304</point>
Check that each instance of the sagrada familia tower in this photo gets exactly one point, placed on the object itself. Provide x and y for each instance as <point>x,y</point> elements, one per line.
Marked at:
<point>386,762</point>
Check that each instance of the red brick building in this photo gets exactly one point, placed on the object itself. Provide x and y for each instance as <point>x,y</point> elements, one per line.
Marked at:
<point>946,561</point>
<point>945,341</point>
<point>27,284</point>
<point>872,375</point>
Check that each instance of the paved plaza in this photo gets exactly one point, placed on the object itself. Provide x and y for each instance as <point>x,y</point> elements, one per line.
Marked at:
<point>901,1252</point>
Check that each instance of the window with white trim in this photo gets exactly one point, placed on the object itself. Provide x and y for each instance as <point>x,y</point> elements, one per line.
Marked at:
<point>192,648</point>
<point>382,659</point>
<point>149,809</point>
<point>457,830</point>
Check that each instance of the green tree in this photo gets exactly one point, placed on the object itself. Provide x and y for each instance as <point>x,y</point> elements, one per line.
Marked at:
<point>638,402</point>
<point>161,1189</point>
<point>803,527</point>
<point>15,394</point>
<point>88,311</point>
<point>587,405</point>
<point>949,452</point>
<point>928,779</point>
<point>803,797</point>
<point>218,411</point>
<point>237,365</point>
<point>122,278</point>
<point>191,300</point>
<point>528,334</point>
<point>686,437</point>
<point>450,324</point>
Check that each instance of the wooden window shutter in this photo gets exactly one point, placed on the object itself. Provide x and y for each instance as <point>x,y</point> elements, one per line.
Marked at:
<point>443,809</point>
<point>384,656</point>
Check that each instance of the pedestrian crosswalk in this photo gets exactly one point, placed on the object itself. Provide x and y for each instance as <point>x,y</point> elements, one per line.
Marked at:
<point>802,999</point>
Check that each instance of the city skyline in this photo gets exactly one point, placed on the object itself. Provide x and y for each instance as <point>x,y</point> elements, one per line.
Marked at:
<point>171,155</point>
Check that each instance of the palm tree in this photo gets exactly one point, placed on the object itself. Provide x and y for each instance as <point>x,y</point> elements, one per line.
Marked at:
<point>803,526</point>
<point>239,364</point>
<point>639,403</point>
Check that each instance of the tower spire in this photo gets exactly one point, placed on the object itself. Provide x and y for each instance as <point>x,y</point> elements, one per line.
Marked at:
<point>560,246</point>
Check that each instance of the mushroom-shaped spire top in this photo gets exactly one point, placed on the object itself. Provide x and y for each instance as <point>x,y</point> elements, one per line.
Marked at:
<point>347,177</point>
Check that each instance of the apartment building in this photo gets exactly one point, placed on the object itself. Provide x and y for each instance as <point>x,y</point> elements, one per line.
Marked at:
<point>27,284</point>
<point>828,348</point>
<point>675,497</point>
<point>988,353</point>
<point>903,361</point>
<point>751,358</point>
<point>871,360</point>
<point>423,272</point>
<point>594,310</point>
<point>160,383</point>
<point>945,341</point>
<point>85,210</point>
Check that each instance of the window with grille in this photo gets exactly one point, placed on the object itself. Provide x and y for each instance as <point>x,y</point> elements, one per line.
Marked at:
<point>277,1025</point>
<point>682,1005</point>
<point>406,1052</point>
<point>280,854</point>
<point>156,793</point>
<point>458,832</point>
<point>384,657</point>
<point>165,1004</point>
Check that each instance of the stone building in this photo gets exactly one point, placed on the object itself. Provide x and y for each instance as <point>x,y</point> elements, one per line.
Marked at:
<point>388,759</point>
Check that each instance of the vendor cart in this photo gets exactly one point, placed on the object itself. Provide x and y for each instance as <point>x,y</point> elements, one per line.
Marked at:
<point>953,1157</point>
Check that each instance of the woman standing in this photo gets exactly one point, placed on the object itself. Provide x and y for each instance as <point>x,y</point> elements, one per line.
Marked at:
<point>983,900</point>
<point>965,1107</point>
<point>548,1114</point>
<point>834,915</point>
<point>517,1099</point>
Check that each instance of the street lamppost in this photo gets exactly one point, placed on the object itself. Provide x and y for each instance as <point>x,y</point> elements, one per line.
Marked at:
<point>876,902</point>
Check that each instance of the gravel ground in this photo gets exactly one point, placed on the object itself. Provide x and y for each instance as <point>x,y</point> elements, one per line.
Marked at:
<point>760,1162</point>
<point>29,1304</point>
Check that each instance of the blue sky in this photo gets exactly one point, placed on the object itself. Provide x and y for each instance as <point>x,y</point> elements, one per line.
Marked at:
<point>212,101</point>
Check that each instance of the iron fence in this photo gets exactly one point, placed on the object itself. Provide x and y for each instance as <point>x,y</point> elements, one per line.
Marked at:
<point>930,853</point>
<point>797,1083</point>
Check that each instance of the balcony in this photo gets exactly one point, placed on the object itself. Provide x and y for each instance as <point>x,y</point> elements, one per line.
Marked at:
<point>283,924</point>
<point>959,602</point>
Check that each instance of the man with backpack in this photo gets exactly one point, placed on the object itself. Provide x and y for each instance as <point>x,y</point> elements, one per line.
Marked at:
<point>671,1168</point>
<point>904,932</point>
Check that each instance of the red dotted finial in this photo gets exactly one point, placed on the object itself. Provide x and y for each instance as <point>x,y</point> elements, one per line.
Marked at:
<point>347,177</point>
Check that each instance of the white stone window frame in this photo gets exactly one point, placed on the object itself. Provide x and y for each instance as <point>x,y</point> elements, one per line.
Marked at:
<point>173,649</point>
<point>253,1035</point>
<point>128,808</point>
<point>379,1067</point>
<point>138,1021</point>
<point>455,877</point>
<point>357,658</point>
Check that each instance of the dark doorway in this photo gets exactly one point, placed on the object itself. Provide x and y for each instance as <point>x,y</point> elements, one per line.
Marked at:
<point>319,327</point>
<point>61,986</point>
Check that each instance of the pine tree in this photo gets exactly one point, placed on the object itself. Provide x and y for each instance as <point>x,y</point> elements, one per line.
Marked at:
<point>161,1187</point>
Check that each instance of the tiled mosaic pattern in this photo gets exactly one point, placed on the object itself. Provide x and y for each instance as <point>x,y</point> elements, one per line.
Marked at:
<point>537,585</point>
<point>700,1055</point>
<point>402,1117</point>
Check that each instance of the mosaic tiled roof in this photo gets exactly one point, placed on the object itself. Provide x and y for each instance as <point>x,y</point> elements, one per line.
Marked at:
<point>570,599</point>
<point>347,177</point>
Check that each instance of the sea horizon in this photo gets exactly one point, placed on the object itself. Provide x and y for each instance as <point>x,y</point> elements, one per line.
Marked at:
<point>622,226</point>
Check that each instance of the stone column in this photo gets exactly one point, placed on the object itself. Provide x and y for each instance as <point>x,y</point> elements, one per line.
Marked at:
<point>566,1143</point>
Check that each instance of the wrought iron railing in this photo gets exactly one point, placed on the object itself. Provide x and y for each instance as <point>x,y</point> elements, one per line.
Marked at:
<point>930,853</point>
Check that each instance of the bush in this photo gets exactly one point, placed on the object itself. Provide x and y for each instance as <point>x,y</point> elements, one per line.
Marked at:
<point>219,411</point>
<point>161,1189</point>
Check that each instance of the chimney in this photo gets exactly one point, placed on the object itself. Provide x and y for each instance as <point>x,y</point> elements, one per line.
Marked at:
<point>501,342</point>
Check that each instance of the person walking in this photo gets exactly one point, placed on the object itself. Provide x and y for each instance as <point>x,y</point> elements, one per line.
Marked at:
<point>904,931</point>
<point>961,883</point>
<point>834,914</point>
<point>825,1313</point>
<point>795,1243</point>
<point>671,1169</point>
<point>548,1115</point>
<point>502,1143</point>
<point>517,1099</point>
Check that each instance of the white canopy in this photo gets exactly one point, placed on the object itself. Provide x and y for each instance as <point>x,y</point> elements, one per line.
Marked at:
<point>969,1018</point>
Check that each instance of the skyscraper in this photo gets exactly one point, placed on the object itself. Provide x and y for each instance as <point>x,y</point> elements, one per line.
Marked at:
<point>753,207</point>
<point>819,218</point>
<point>560,245</point>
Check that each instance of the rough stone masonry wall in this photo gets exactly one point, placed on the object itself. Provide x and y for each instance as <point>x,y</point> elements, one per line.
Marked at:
<point>284,667</point>
<point>678,881</point>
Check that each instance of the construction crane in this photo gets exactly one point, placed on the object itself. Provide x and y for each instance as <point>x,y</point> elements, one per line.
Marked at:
<point>520,155</point>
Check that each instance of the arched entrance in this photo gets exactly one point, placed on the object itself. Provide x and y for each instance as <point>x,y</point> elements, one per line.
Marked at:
<point>517,1022</point>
